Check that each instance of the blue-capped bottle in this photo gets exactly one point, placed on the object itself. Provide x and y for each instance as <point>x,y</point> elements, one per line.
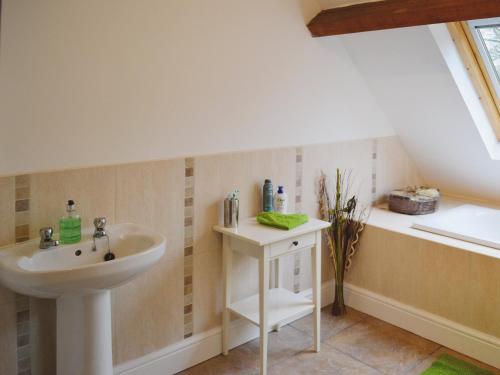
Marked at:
<point>267,196</point>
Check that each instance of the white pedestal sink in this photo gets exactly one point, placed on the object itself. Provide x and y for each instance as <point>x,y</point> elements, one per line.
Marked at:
<point>80,280</point>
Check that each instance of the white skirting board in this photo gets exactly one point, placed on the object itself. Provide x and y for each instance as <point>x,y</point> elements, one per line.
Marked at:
<point>203,346</point>
<point>465,340</point>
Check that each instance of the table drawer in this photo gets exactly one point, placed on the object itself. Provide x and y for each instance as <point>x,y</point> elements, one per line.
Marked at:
<point>292,244</point>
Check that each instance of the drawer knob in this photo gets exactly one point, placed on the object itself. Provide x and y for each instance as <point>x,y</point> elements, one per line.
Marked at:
<point>295,243</point>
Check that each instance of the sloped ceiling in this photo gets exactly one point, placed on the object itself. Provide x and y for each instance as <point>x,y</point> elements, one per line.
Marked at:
<point>145,80</point>
<point>411,82</point>
<point>327,4</point>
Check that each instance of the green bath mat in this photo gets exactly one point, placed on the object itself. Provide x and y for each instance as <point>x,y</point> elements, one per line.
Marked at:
<point>448,365</point>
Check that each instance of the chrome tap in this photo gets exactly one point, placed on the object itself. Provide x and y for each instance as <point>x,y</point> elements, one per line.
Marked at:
<point>46,240</point>
<point>99,224</point>
<point>100,232</point>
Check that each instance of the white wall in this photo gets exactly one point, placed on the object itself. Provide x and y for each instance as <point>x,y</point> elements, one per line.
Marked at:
<point>101,82</point>
<point>407,74</point>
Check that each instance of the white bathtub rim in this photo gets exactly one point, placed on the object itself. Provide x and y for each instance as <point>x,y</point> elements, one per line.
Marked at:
<point>382,218</point>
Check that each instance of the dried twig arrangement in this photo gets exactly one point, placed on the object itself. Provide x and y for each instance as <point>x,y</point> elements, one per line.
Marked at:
<point>343,235</point>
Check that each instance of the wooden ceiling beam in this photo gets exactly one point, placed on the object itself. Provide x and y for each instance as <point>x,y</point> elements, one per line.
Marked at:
<point>390,14</point>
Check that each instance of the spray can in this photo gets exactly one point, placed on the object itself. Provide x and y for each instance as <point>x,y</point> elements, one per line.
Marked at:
<point>267,196</point>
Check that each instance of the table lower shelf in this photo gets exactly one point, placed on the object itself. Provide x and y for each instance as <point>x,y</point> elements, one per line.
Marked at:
<point>282,306</point>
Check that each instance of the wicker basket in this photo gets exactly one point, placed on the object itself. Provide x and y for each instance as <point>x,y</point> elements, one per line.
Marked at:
<point>414,201</point>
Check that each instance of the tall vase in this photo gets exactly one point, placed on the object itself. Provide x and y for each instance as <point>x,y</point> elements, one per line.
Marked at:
<point>338,303</point>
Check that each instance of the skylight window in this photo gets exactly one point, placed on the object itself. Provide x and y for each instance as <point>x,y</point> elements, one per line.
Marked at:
<point>486,34</point>
<point>478,43</point>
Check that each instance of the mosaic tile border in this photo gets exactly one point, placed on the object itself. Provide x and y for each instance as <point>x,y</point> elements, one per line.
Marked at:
<point>22,233</point>
<point>188,245</point>
<point>298,209</point>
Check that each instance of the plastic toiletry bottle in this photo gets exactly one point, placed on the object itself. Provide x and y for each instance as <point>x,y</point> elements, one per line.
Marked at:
<point>281,201</point>
<point>267,196</point>
<point>70,225</point>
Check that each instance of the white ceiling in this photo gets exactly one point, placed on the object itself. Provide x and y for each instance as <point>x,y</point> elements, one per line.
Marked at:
<point>410,80</point>
<point>327,4</point>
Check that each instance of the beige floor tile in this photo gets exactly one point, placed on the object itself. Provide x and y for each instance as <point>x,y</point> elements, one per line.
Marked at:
<point>235,364</point>
<point>328,361</point>
<point>426,363</point>
<point>245,358</point>
<point>287,342</point>
<point>330,325</point>
<point>364,345</point>
<point>387,348</point>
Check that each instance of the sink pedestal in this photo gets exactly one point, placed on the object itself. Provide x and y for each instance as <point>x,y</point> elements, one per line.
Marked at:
<point>84,345</point>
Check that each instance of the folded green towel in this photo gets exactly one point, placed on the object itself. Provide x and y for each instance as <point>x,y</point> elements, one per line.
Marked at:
<point>282,221</point>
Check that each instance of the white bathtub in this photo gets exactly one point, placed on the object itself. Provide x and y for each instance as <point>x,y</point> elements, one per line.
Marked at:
<point>476,224</point>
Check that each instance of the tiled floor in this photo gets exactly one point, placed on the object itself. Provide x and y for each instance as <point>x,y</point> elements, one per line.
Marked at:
<point>352,344</point>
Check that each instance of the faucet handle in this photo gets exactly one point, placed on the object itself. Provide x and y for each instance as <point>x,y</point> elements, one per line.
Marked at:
<point>46,233</point>
<point>99,223</point>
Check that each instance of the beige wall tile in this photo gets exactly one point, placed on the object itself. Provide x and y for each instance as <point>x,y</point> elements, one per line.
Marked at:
<point>216,176</point>
<point>43,335</point>
<point>7,226</point>
<point>455,284</point>
<point>287,269</point>
<point>355,156</point>
<point>207,286</point>
<point>93,190</point>
<point>152,194</point>
<point>245,276</point>
<point>7,297</point>
<point>7,211</point>
<point>207,290</point>
<point>8,364</point>
<point>395,169</point>
<point>8,340</point>
<point>305,270</point>
<point>485,293</point>
<point>148,312</point>
<point>326,263</point>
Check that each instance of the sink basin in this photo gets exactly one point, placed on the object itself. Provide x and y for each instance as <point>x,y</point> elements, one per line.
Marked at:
<point>54,272</point>
<point>80,280</point>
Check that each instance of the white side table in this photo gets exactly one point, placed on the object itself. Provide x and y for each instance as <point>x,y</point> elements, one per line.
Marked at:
<point>271,308</point>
